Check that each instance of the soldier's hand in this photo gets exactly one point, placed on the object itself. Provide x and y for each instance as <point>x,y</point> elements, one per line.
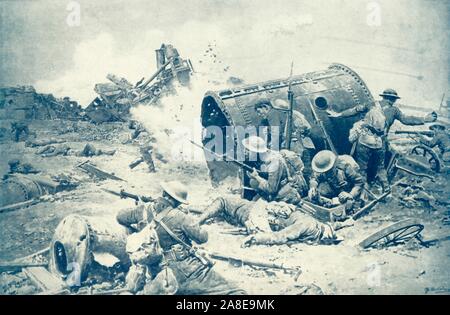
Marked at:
<point>431,117</point>
<point>333,114</point>
<point>312,193</point>
<point>248,241</point>
<point>254,174</point>
<point>344,196</point>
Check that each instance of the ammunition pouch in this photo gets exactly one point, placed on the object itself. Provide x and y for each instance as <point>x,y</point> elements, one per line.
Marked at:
<point>177,253</point>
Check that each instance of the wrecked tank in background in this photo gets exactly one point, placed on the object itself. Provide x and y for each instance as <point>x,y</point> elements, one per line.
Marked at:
<point>20,190</point>
<point>170,67</point>
<point>117,97</point>
<point>337,88</point>
<point>24,103</point>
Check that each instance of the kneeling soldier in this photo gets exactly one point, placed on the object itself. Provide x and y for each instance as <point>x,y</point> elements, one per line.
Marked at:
<point>336,178</point>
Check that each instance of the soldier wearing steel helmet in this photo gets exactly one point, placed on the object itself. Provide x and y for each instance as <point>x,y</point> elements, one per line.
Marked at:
<point>367,136</point>
<point>392,112</point>
<point>440,139</point>
<point>277,184</point>
<point>335,178</point>
<point>179,266</point>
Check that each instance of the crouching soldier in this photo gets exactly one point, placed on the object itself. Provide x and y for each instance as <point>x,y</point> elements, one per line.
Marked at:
<point>238,211</point>
<point>277,186</point>
<point>336,180</point>
<point>291,225</point>
<point>441,140</point>
<point>175,231</point>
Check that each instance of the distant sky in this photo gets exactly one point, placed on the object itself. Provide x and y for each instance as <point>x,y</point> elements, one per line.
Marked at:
<point>257,39</point>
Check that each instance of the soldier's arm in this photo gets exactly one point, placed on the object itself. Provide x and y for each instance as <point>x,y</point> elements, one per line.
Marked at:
<point>215,209</point>
<point>271,185</point>
<point>314,181</point>
<point>127,217</point>
<point>355,177</point>
<point>193,230</point>
<point>290,233</point>
<point>301,124</point>
<point>408,120</point>
<point>354,111</point>
<point>430,143</point>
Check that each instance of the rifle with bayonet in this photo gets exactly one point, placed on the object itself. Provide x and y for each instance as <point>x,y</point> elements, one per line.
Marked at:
<point>256,263</point>
<point>322,127</point>
<point>407,132</point>
<point>126,195</point>
<point>226,158</point>
<point>288,129</point>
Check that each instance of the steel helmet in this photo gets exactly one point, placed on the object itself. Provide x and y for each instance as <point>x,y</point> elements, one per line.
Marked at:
<point>176,190</point>
<point>255,144</point>
<point>323,161</point>
<point>390,93</point>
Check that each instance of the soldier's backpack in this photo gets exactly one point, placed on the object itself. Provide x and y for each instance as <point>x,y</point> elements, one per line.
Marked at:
<point>295,167</point>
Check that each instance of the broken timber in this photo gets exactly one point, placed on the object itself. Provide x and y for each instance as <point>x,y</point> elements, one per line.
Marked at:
<point>18,266</point>
<point>89,168</point>
<point>43,279</point>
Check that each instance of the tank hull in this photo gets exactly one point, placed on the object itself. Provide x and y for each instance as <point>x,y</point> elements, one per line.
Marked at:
<point>337,88</point>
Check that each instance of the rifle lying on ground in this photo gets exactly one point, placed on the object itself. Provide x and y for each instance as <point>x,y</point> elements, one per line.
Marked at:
<point>126,195</point>
<point>226,158</point>
<point>364,210</point>
<point>83,291</point>
<point>423,133</point>
<point>256,263</point>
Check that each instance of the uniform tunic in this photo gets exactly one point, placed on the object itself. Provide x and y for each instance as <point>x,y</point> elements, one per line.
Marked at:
<point>192,275</point>
<point>347,177</point>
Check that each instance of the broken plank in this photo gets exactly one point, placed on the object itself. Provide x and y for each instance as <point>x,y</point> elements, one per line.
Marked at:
<point>18,266</point>
<point>93,170</point>
<point>19,205</point>
<point>43,279</point>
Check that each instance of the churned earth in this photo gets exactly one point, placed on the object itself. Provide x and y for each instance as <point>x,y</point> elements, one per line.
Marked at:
<point>336,269</point>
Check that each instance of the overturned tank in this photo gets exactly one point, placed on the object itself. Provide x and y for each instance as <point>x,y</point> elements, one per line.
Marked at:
<point>337,88</point>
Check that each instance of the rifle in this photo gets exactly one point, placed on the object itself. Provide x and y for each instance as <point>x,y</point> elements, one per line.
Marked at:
<point>124,195</point>
<point>423,133</point>
<point>256,263</point>
<point>226,158</point>
<point>373,203</point>
<point>322,127</point>
<point>288,131</point>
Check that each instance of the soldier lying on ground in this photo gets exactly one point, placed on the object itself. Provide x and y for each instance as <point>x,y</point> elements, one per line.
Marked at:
<point>88,151</point>
<point>174,231</point>
<point>277,186</point>
<point>336,180</point>
<point>290,225</point>
<point>42,142</point>
<point>15,166</point>
<point>54,150</point>
<point>238,211</point>
<point>441,139</point>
